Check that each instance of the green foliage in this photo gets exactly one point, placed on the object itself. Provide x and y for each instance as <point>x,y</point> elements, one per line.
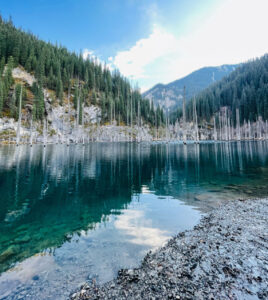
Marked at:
<point>2,65</point>
<point>194,82</point>
<point>245,88</point>
<point>94,98</point>
<point>16,103</point>
<point>12,106</point>
<point>1,97</point>
<point>104,109</point>
<point>76,95</point>
<point>39,104</point>
<point>59,90</point>
<point>54,67</point>
<point>82,100</point>
<point>8,79</point>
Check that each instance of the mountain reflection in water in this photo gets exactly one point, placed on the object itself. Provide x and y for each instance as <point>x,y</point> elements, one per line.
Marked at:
<point>109,202</point>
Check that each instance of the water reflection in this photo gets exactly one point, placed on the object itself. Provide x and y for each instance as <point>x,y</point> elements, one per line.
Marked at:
<point>54,198</point>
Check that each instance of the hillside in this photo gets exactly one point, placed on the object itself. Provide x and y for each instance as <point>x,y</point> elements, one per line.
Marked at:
<point>194,83</point>
<point>245,89</point>
<point>60,120</point>
<point>68,77</point>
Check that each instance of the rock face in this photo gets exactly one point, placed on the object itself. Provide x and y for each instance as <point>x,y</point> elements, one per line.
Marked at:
<point>19,73</point>
<point>224,257</point>
<point>60,128</point>
<point>62,125</point>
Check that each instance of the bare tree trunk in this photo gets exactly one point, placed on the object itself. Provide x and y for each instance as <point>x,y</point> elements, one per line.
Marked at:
<point>19,120</point>
<point>31,132</point>
<point>238,133</point>
<point>131,117</point>
<point>195,121</point>
<point>77,116</point>
<point>83,133</point>
<point>184,117</point>
<point>215,129</point>
<point>45,132</point>
<point>69,119</point>
<point>249,130</point>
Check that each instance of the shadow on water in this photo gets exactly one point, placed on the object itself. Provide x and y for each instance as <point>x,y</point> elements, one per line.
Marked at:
<point>48,195</point>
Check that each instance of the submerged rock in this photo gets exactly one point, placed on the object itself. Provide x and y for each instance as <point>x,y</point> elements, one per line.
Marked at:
<point>12,250</point>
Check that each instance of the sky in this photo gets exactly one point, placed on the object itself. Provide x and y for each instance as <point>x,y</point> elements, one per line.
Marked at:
<point>149,41</point>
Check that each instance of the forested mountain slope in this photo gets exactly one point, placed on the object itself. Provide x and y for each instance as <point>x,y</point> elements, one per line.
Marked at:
<point>64,73</point>
<point>172,93</point>
<point>245,89</point>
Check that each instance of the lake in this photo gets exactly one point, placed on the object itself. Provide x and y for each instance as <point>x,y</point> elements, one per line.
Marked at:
<point>71,214</point>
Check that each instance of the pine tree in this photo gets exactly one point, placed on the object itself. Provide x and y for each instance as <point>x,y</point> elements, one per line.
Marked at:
<point>1,97</point>
<point>91,78</point>
<point>17,100</point>
<point>2,65</point>
<point>8,74</point>
<point>94,98</point>
<point>53,66</point>
<point>86,78</point>
<point>59,90</point>
<point>39,104</point>
<point>12,106</point>
<point>76,95</point>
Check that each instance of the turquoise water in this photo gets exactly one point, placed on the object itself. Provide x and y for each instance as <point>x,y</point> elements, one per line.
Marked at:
<point>70,214</point>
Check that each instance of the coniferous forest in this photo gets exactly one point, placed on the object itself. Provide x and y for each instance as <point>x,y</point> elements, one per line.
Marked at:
<point>245,89</point>
<point>87,82</point>
<point>57,69</point>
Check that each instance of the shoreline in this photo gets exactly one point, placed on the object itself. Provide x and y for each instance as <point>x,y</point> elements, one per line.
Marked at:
<point>225,256</point>
<point>163,141</point>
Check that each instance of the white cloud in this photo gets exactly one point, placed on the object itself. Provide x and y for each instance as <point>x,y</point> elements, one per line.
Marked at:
<point>87,54</point>
<point>234,32</point>
<point>140,230</point>
<point>91,54</point>
<point>132,62</point>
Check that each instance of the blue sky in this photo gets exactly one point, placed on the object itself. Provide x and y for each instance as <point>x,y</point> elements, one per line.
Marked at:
<point>149,41</point>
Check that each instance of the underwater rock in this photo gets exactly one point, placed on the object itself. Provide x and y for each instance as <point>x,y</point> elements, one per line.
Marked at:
<point>12,250</point>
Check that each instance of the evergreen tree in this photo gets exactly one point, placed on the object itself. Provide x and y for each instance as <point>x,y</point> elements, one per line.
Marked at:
<point>59,90</point>
<point>12,106</point>
<point>94,98</point>
<point>2,65</point>
<point>54,66</point>
<point>39,104</point>
<point>76,95</point>
<point>1,97</point>
<point>246,88</point>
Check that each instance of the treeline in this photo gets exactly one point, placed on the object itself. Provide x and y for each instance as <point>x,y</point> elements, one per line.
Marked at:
<point>57,69</point>
<point>246,88</point>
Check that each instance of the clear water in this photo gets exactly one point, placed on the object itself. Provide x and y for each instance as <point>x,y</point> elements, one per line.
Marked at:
<point>71,214</point>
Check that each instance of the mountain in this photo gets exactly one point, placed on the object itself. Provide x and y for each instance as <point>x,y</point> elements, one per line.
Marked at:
<point>245,89</point>
<point>194,83</point>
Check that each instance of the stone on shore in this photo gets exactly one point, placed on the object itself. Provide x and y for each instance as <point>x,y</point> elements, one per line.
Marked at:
<point>224,257</point>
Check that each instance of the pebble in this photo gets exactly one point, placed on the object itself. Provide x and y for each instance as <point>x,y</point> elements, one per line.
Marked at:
<point>224,257</point>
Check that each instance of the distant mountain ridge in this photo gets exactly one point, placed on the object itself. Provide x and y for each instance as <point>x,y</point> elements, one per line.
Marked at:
<point>243,93</point>
<point>172,93</point>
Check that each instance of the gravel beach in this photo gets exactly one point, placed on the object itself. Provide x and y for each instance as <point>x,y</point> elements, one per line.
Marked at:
<point>224,257</point>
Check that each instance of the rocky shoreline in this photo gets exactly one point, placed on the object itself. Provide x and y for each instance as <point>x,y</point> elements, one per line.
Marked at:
<point>224,257</point>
